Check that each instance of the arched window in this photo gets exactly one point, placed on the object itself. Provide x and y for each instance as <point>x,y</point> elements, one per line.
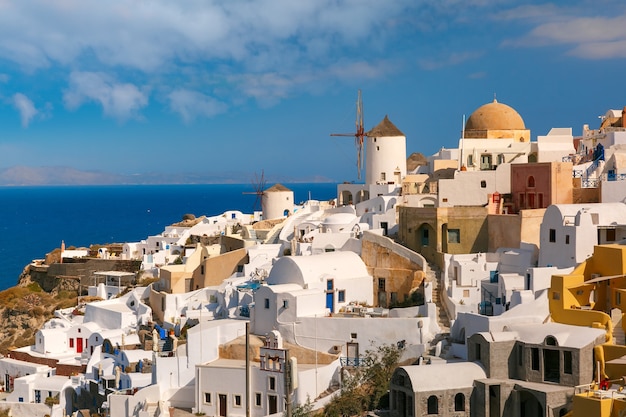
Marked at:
<point>433,405</point>
<point>531,181</point>
<point>459,402</point>
<point>551,341</point>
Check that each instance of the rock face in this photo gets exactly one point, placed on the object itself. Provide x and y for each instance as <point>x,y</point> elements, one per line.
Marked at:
<point>23,310</point>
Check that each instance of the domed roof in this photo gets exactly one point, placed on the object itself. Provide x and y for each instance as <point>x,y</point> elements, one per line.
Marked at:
<point>495,116</point>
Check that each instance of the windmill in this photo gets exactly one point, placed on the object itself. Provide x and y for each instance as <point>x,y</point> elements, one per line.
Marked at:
<point>259,188</point>
<point>359,135</point>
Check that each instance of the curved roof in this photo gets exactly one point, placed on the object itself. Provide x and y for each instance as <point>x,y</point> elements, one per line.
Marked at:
<point>495,116</point>
<point>311,271</point>
<point>435,377</point>
<point>339,218</point>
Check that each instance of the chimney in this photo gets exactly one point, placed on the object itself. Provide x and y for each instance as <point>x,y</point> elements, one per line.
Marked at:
<point>624,117</point>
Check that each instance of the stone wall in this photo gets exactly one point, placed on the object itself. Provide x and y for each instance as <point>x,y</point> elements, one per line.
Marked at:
<point>72,273</point>
<point>397,271</point>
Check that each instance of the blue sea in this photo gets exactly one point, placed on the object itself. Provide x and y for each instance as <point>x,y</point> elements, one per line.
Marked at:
<point>34,220</point>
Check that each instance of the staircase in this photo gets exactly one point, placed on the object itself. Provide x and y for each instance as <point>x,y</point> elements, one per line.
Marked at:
<point>273,235</point>
<point>443,320</point>
<point>618,331</point>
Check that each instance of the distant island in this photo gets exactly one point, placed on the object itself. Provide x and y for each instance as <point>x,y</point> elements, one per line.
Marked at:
<point>58,175</point>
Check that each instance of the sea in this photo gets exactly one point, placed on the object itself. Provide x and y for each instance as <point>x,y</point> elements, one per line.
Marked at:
<point>35,220</point>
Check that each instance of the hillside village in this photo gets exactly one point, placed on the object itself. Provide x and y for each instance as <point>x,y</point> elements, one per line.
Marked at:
<point>497,268</point>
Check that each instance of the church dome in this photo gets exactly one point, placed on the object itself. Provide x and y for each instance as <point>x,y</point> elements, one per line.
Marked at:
<point>495,116</point>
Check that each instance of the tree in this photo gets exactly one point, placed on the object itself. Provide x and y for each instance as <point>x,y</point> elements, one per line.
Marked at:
<point>365,387</point>
<point>302,410</point>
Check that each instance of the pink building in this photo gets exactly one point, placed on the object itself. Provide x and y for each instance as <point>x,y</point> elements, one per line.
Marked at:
<point>538,185</point>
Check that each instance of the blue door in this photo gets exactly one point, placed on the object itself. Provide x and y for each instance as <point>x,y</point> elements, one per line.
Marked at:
<point>330,301</point>
<point>330,295</point>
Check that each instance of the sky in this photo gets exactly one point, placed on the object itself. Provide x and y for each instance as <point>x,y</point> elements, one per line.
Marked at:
<point>137,86</point>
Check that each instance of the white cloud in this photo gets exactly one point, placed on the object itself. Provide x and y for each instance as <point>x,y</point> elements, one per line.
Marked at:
<point>452,59</point>
<point>121,101</point>
<point>574,27</point>
<point>25,107</point>
<point>191,104</point>
<point>151,35</point>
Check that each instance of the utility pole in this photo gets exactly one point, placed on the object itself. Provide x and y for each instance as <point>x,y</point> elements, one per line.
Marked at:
<point>247,369</point>
<point>287,384</point>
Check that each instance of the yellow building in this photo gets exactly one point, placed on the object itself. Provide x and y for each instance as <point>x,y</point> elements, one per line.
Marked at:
<point>594,295</point>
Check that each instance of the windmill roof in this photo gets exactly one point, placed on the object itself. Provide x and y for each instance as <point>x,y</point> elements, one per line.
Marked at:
<point>277,187</point>
<point>385,128</point>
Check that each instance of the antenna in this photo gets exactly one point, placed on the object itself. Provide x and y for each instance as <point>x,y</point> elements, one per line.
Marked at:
<point>359,134</point>
<point>259,188</point>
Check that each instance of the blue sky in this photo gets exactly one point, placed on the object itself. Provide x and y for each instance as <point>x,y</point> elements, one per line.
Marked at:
<point>207,86</point>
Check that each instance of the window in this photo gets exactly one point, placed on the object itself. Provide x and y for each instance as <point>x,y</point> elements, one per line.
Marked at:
<point>330,285</point>
<point>567,362</point>
<point>267,303</point>
<point>341,296</point>
<point>520,355</point>
<point>470,160</point>
<point>285,303</point>
<point>383,176</point>
<point>257,399</point>
<point>37,396</point>
<point>610,235</point>
<point>424,237</point>
<point>483,184</point>
<point>201,269</point>
<point>71,342</point>
<point>534,359</point>
<point>618,298</point>
<point>272,383</point>
<point>353,335</point>
<point>237,400</point>
<point>381,284</point>
<point>531,182</point>
<point>454,236</point>
<point>207,398</point>
<point>567,239</point>
<point>477,351</point>
<point>433,405</point>
<point>459,402</point>
<point>552,236</point>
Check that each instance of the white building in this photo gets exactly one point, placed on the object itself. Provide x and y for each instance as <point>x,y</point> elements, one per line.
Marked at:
<point>570,231</point>
<point>385,165</point>
<point>277,202</point>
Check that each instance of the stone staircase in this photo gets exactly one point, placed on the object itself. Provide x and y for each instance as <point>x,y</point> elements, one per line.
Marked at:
<point>618,332</point>
<point>443,320</point>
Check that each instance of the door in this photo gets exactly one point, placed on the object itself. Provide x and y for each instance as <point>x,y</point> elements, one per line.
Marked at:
<point>79,345</point>
<point>330,295</point>
<point>222,405</point>
<point>494,401</point>
<point>272,404</point>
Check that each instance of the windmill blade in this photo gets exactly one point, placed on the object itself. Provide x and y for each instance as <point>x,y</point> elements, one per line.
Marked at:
<point>359,135</point>
<point>258,184</point>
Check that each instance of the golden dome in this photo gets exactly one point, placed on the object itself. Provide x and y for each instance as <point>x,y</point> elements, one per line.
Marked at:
<point>495,116</point>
